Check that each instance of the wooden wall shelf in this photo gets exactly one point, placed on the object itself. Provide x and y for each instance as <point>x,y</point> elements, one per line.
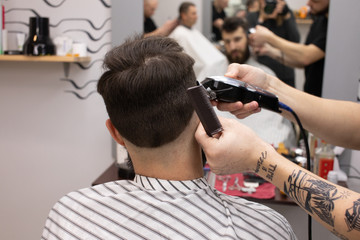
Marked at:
<point>23,58</point>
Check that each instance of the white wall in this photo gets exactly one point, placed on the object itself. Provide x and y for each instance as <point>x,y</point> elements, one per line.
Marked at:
<point>296,4</point>
<point>120,15</point>
<point>342,62</point>
<point>51,142</point>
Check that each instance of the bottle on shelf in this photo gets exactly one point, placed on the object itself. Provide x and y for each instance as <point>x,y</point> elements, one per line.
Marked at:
<point>39,42</point>
<point>323,159</point>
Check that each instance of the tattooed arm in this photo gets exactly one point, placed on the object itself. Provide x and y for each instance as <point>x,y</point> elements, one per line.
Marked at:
<point>239,149</point>
<point>335,207</point>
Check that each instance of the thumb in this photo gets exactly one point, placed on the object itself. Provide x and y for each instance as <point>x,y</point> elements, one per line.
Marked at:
<point>200,134</point>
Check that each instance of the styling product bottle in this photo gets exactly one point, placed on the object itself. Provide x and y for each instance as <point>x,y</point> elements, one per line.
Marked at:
<point>324,159</point>
<point>39,42</point>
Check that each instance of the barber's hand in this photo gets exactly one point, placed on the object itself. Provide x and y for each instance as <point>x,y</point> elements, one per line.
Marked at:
<point>248,74</point>
<point>238,148</point>
<point>260,37</point>
<point>264,50</point>
<point>238,109</point>
<point>168,27</point>
<point>279,7</point>
<point>218,23</point>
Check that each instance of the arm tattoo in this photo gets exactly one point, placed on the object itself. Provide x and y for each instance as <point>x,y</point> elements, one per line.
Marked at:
<point>352,216</point>
<point>270,170</point>
<point>345,194</point>
<point>318,198</point>
<point>339,235</point>
<point>260,161</point>
<point>314,195</point>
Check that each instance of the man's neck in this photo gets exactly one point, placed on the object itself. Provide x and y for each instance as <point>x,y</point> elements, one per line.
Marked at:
<point>173,163</point>
<point>185,25</point>
<point>178,160</point>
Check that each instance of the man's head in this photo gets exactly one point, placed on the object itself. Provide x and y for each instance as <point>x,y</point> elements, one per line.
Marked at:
<point>144,89</point>
<point>234,35</point>
<point>150,7</point>
<point>221,4</point>
<point>318,7</point>
<point>188,14</point>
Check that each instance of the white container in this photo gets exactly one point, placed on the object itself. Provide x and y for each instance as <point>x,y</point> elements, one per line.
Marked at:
<point>332,177</point>
<point>79,50</point>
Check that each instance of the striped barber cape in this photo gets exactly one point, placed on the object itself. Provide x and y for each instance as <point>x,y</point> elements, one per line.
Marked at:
<point>150,208</point>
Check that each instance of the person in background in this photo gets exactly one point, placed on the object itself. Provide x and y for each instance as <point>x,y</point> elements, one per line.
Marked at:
<point>150,27</point>
<point>271,127</point>
<point>310,55</point>
<point>218,16</point>
<point>144,90</point>
<point>279,19</point>
<point>241,12</point>
<point>209,60</point>
<point>236,42</point>
<point>335,207</point>
<point>252,6</point>
<point>188,14</point>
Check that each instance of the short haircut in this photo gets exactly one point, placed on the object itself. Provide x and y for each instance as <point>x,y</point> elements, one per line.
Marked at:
<point>144,90</point>
<point>231,24</point>
<point>184,7</point>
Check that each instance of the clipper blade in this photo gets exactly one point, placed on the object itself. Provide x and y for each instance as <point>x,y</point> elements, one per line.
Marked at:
<point>204,110</point>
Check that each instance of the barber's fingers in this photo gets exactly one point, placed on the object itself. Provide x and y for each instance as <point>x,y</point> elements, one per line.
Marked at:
<point>229,107</point>
<point>244,72</point>
<point>200,133</point>
<point>237,71</point>
<point>242,115</point>
<point>203,139</point>
<point>239,109</point>
<point>280,6</point>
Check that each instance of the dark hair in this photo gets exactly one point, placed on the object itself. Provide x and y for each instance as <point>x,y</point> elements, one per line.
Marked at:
<point>184,7</point>
<point>144,89</point>
<point>231,24</point>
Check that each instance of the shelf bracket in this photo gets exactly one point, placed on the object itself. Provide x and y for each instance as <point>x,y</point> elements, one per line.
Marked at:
<point>66,69</point>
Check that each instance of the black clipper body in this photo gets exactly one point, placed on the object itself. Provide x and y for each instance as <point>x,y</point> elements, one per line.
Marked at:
<point>226,89</point>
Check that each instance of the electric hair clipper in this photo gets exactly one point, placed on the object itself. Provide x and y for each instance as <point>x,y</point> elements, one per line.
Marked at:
<point>227,89</point>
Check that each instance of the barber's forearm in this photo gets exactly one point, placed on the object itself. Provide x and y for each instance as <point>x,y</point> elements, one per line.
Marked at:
<point>330,204</point>
<point>218,23</point>
<point>282,58</point>
<point>336,122</point>
<point>294,52</point>
<point>153,33</point>
<point>157,32</point>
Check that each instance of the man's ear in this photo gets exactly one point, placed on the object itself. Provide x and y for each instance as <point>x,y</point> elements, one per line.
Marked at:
<point>114,133</point>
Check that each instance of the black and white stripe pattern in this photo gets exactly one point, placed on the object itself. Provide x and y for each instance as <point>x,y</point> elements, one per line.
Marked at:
<point>149,208</point>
